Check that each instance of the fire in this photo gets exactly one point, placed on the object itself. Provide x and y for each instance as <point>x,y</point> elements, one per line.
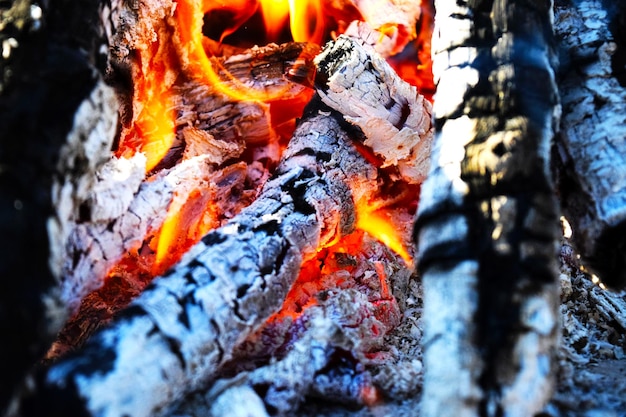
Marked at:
<point>186,222</point>
<point>206,68</point>
<point>153,128</point>
<point>378,224</point>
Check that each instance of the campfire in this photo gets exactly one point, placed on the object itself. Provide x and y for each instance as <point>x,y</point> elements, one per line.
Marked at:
<point>251,194</point>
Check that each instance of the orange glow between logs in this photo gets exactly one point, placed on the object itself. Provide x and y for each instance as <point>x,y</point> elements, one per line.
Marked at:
<point>379,226</point>
<point>186,222</point>
<point>206,69</point>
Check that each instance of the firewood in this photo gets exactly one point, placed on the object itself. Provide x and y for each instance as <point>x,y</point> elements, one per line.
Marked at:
<point>487,218</point>
<point>590,146</point>
<point>183,327</point>
<point>281,386</point>
<point>96,246</point>
<point>394,20</point>
<point>395,119</point>
<point>332,330</point>
<point>57,123</point>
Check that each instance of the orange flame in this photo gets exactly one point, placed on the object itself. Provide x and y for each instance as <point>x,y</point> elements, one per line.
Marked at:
<point>275,14</point>
<point>207,69</point>
<point>153,128</point>
<point>186,222</point>
<point>378,225</point>
<point>301,13</point>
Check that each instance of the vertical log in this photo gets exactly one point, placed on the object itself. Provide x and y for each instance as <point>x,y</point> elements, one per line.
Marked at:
<point>487,220</point>
<point>47,65</point>
<point>591,147</point>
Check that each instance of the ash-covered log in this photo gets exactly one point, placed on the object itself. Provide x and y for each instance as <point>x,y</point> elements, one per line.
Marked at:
<point>177,334</point>
<point>394,117</point>
<point>487,218</point>
<point>57,124</point>
<point>590,146</point>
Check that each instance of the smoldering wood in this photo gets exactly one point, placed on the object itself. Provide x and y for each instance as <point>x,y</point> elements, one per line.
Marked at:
<point>395,119</point>
<point>331,351</point>
<point>590,146</point>
<point>310,369</point>
<point>174,337</point>
<point>209,123</point>
<point>51,146</point>
<point>487,220</point>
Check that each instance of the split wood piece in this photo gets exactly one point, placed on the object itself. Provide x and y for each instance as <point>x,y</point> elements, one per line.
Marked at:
<point>590,147</point>
<point>121,224</point>
<point>487,221</point>
<point>56,119</point>
<point>184,326</point>
<point>395,119</point>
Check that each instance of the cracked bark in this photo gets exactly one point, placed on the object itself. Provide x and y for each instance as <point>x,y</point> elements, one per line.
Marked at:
<point>49,149</point>
<point>590,147</point>
<point>395,119</point>
<point>185,324</point>
<point>487,220</point>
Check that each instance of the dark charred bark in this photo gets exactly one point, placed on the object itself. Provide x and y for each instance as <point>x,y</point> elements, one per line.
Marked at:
<point>49,53</point>
<point>487,220</point>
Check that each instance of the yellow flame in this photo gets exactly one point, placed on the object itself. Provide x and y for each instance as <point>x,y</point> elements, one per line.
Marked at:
<point>379,226</point>
<point>189,217</point>
<point>190,14</point>
<point>275,13</point>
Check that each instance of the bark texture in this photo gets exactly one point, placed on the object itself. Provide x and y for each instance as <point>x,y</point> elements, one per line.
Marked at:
<point>395,119</point>
<point>591,147</point>
<point>51,140</point>
<point>183,327</point>
<point>487,218</point>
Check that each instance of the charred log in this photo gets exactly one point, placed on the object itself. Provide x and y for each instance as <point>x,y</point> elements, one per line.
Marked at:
<point>178,333</point>
<point>487,218</point>
<point>395,119</point>
<point>590,146</point>
<point>48,154</point>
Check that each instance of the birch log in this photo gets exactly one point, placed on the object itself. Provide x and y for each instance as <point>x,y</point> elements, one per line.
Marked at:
<point>177,334</point>
<point>591,147</point>
<point>487,220</point>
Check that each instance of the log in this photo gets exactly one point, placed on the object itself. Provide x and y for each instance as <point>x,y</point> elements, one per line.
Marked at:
<point>395,119</point>
<point>487,223</point>
<point>590,147</point>
<point>57,123</point>
<point>209,122</point>
<point>183,327</point>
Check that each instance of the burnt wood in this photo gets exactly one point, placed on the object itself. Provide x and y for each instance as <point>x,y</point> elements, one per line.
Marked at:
<point>590,148</point>
<point>48,69</point>
<point>184,326</point>
<point>487,219</point>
